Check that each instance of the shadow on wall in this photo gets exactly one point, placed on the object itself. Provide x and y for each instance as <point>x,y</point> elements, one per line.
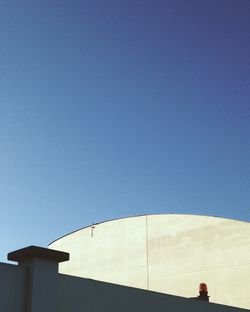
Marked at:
<point>39,287</point>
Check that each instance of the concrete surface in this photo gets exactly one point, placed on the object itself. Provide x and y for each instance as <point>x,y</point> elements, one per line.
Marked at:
<point>12,287</point>
<point>165,253</point>
<point>34,285</point>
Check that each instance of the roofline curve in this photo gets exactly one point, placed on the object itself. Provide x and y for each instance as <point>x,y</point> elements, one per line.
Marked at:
<point>144,215</point>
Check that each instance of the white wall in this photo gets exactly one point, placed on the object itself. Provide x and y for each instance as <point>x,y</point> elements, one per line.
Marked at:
<point>165,253</point>
<point>35,286</point>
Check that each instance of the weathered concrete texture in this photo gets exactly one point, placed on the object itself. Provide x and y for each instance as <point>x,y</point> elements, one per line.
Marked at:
<point>165,253</point>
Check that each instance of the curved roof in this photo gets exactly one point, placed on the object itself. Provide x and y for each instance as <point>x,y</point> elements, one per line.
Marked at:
<point>170,253</point>
<point>143,215</point>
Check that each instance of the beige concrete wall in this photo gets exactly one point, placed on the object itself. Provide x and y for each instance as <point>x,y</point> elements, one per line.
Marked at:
<point>165,253</point>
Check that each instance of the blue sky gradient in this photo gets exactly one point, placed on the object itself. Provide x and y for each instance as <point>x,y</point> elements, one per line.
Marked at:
<point>116,108</point>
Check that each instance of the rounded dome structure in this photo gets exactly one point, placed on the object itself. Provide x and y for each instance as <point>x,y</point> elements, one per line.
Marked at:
<point>168,253</point>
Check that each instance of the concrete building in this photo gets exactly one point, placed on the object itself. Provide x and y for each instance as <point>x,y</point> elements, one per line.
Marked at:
<point>165,253</point>
<point>34,285</point>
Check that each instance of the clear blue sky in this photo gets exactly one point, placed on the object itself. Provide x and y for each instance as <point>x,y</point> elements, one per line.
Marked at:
<point>115,108</point>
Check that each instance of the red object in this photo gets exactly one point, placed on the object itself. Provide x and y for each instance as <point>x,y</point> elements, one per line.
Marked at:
<point>203,287</point>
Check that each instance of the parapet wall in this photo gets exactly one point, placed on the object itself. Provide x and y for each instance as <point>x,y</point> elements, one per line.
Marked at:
<point>34,285</point>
